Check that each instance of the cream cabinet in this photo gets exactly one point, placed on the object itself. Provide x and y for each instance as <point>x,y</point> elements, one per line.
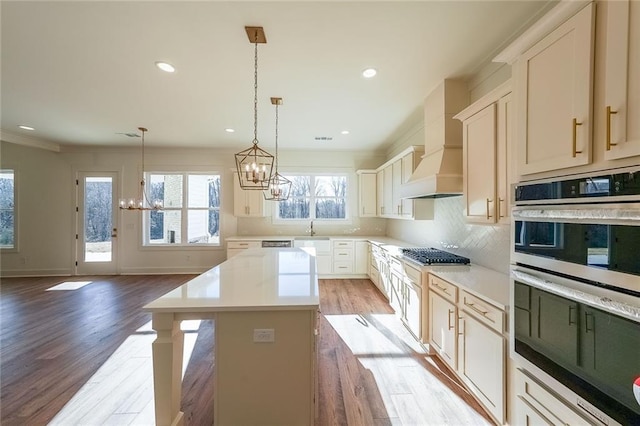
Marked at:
<point>323,254</point>
<point>468,333</point>
<point>246,203</point>
<point>380,192</point>
<point>554,86</point>
<point>443,320</point>
<point>236,247</point>
<point>622,80</point>
<point>367,193</point>
<point>487,126</point>
<point>482,353</point>
<point>361,257</point>
<point>390,177</point>
<point>343,257</point>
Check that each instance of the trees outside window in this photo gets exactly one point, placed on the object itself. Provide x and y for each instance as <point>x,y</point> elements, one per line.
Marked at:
<point>7,209</point>
<point>191,209</point>
<point>315,197</point>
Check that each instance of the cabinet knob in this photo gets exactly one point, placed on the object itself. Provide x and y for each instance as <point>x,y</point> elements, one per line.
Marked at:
<point>609,114</point>
<point>575,138</point>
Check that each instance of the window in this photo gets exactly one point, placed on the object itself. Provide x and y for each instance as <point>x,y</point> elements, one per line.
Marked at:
<point>7,209</point>
<point>191,212</point>
<point>315,197</point>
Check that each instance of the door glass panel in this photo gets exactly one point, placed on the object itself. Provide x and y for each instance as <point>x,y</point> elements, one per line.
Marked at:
<point>98,195</point>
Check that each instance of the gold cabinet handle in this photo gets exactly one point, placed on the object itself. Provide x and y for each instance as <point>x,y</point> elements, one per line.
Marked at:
<point>575,137</point>
<point>499,210</point>
<point>450,312</point>
<point>488,214</point>
<point>609,114</point>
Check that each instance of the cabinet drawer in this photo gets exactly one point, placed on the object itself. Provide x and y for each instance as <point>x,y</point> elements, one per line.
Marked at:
<point>413,274</point>
<point>342,254</point>
<point>342,267</point>
<point>444,288</point>
<point>396,266</point>
<point>536,398</point>
<point>342,244</point>
<point>243,244</point>
<point>483,311</point>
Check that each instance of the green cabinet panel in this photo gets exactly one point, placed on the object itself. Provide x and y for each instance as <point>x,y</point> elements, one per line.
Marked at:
<point>610,353</point>
<point>555,326</point>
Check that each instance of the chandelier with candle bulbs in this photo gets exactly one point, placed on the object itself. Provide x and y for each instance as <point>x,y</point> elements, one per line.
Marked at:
<point>279,187</point>
<point>142,202</point>
<point>254,165</point>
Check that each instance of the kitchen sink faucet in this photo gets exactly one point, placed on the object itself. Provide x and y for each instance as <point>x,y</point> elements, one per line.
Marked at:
<point>311,231</point>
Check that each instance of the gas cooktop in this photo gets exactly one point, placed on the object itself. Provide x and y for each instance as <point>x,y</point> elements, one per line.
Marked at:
<point>432,256</point>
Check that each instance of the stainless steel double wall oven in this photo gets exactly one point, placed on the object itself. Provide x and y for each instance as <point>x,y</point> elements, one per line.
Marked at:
<point>576,288</point>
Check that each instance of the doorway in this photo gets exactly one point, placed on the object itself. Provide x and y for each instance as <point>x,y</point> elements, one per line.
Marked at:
<point>97,223</point>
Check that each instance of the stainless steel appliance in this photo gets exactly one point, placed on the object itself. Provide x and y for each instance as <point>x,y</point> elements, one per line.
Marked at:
<point>432,256</point>
<point>276,243</point>
<point>576,289</point>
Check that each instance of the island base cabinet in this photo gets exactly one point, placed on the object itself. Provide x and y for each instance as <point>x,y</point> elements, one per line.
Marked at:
<point>260,383</point>
<point>481,363</point>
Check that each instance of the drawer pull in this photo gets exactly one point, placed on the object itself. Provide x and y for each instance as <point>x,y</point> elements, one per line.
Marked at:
<point>475,308</point>
<point>444,289</point>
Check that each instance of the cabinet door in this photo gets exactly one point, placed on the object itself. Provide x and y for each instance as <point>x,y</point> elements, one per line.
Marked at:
<point>255,203</point>
<point>396,181</point>
<point>442,324</point>
<point>555,326</point>
<point>482,363</point>
<point>388,208</point>
<point>555,80</point>
<point>504,158</point>
<point>479,160</point>
<point>361,257</point>
<point>406,204</point>
<point>380,192</point>
<point>622,80</point>
<point>413,314</point>
<point>246,203</point>
<point>610,352</point>
<point>367,195</point>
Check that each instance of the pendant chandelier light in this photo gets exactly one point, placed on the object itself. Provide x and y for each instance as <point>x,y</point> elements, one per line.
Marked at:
<point>254,165</point>
<point>279,187</point>
<point>142,202</point>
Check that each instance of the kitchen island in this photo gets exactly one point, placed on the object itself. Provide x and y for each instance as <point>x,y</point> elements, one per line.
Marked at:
<point>264,303</point>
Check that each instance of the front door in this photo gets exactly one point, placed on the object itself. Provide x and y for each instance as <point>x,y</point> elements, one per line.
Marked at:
<point>97,219</point>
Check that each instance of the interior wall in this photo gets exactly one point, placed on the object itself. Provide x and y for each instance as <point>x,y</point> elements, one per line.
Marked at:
<point>46,202</point>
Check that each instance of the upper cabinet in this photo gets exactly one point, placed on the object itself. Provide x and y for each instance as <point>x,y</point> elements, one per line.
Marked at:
<point>555,81</point>
<point>246,203</point>
<point>622,80</point>
<point>390,177</point>
<point>367,193</point>
<point>487,156</point>
<point>576,79</point>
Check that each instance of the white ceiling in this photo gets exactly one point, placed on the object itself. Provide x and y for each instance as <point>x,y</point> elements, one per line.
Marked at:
<point>80,72</point>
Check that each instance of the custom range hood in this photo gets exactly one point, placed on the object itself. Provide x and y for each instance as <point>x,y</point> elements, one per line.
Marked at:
<point>439,173</point>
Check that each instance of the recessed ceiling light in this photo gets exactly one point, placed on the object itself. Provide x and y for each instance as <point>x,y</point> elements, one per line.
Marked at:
<point>23,127</point>
<point>229,130</point>
<point>345,132</point>
<point>166,67</point>
<point>369,72</point>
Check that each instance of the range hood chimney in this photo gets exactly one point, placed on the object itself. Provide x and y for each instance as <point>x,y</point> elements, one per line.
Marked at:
<point>439,173</point>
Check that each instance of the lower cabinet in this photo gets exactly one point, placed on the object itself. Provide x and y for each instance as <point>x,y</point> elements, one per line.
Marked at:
<point>443,327</point>
<point>468,333</point>
<point>236,247</point>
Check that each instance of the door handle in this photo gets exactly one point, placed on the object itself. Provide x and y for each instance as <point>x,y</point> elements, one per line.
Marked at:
<point>575,137</point>
<point>488,214</point>
<point>114,233</point>
<point>609,114</point>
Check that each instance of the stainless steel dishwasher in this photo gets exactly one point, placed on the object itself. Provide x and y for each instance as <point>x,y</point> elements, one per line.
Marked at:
<point>277,243</point>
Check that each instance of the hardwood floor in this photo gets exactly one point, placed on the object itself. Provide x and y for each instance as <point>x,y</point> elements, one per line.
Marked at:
<point>84,357</point>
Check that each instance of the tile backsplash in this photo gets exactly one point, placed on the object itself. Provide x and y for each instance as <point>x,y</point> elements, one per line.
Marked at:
<point>485,245</point>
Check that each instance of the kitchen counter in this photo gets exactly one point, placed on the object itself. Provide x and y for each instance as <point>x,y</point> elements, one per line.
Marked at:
<point>265,306</point>
<point>485,283</point>
<point>256,280</point>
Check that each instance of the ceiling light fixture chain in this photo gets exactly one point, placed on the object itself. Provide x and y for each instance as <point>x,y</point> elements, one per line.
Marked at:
<point>254,165</point>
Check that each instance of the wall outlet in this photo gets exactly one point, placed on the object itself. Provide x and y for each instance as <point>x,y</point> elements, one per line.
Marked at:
<point>264,335</point>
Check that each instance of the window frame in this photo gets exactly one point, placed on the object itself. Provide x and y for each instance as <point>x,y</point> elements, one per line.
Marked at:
<point>276,219</point>
<point>184,210</point>
<point>14,248</point>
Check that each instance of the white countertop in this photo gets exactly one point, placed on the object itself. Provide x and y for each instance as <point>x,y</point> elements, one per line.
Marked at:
<point>257,279</point>
<point>485,283</point>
